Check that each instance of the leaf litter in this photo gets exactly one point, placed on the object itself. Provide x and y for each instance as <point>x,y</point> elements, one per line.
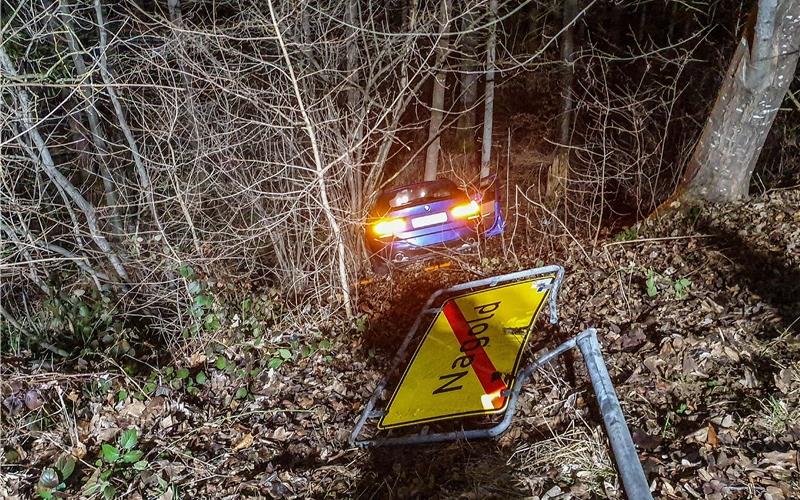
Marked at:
<point>698,318</point>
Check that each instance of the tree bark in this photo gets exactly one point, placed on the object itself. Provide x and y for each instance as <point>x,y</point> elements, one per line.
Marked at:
<point>488,110</point>
<point>437,100</point>
<point>354,155</point>
<point>751,94</point>
<point>141,169</point>
<point>93,117</point>
<point>559,170</point>
<point>469,87</point>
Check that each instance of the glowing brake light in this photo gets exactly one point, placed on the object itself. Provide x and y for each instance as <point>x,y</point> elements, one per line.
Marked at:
<point>468,210</point>
<point>389,227</point>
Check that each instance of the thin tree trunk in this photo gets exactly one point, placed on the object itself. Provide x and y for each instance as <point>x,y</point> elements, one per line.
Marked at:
<point>559,170</point>
<point>437,100</point>
<point>354,156</point>
<point>92,116</point>
<point>488,110</point>
<point>469,87</point>
<point>320,169</point>
<point>751,94</point>
<point>567,53</point>
<point>55,175</point>
<point>175,14</point>
<point>141,170</point>
<point>23,249</point>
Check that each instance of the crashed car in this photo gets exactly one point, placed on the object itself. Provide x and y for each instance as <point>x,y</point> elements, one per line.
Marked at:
<point>429,219</point>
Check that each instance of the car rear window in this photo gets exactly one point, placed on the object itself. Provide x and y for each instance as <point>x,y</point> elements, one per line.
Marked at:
<point>418,193</point>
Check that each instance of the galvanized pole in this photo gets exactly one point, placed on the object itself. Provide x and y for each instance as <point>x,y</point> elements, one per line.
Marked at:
<point>628,465</point>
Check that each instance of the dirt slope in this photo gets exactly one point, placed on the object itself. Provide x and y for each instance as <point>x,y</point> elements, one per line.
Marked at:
<point>698,315</point>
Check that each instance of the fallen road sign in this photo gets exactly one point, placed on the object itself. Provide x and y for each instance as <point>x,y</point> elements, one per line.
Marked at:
<point>497,392</point>
<point>492,375</point>
<point>467,360</point>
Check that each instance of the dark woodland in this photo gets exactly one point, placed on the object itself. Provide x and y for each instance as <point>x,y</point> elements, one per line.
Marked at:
<point>190,305</point>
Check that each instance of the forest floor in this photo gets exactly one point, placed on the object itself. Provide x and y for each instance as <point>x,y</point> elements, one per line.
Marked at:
<point>698,318</point>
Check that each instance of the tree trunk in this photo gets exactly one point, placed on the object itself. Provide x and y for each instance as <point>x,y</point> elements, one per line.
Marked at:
<point>751,94</point>
<point>95,125</point>
<point>175,15</point>
<point>488,110</point>
<point>105,73</point>
<point>559,170</point>
<point>45,159</point>
<point>469,87</point>
<point>437,100</point>
<point>354,155</point>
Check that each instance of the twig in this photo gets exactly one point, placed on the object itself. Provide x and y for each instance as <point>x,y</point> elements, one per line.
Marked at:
<point>665,238</point>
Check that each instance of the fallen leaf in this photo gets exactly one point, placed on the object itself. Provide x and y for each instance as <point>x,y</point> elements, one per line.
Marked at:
<point>280,434</point>
<point>33,400</point>
<point>245,442</point>
<point>712,439</point>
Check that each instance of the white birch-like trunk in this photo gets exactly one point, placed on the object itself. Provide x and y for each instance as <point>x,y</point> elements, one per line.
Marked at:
<point>488,110</point>
<point>354,155</point>
<point>93,117</point>
<point>751,94</point>
<point>141,169</point>
<point>48,165</point>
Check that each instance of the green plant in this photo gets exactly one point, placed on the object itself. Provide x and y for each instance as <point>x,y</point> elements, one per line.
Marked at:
<point>53,480</point>
<point>666,429</point>
<point>295,350</point>
<point>283,355</point>
<point>361,323</point>
<point>121,460</point>
<point>627,234</point>
<point>778,414</point>
<point>650,283</point>
<point>84,319</point>
<point>681,286</point>
<point>207,316</point>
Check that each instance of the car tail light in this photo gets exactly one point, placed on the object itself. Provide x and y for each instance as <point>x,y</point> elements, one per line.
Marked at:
<point>389,227</point>
<point>468,210</point>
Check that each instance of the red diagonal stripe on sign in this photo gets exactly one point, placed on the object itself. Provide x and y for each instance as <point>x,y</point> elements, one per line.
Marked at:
<point>481,364</point>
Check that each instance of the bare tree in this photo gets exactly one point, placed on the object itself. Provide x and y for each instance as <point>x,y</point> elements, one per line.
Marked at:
<point>488,103</point>
<point>41,156</point>
<point>93,117</point>
<point>320,170</point>
<point>751,94</point>
<point>469,83</point>
<point>437,98</point>
<point>243,147</point>
<point>557,174</point>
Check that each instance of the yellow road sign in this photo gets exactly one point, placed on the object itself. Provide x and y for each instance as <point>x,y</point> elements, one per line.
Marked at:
<point>469,356</point>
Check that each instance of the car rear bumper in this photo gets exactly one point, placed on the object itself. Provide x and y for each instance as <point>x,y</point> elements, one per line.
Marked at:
<point>406,251</point>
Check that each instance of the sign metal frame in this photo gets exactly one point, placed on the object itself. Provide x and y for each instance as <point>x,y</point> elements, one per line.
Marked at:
<point>629,467</point>
<point>451,325</point>
<point>430,312</point>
